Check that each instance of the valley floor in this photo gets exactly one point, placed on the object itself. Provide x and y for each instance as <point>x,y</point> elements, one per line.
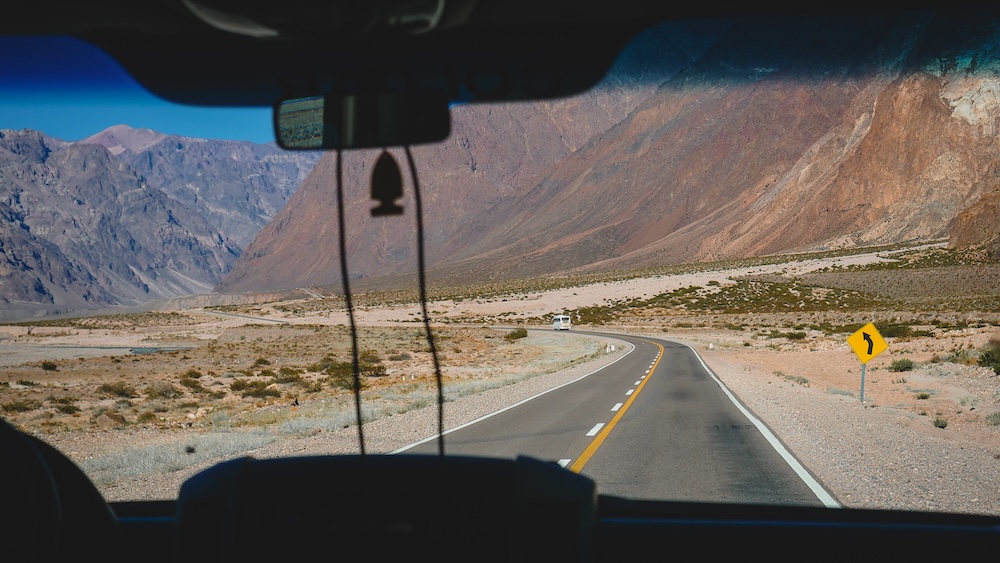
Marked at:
<point>141,401</point>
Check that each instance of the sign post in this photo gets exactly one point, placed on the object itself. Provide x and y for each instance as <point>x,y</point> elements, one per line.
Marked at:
<point>866,343</point>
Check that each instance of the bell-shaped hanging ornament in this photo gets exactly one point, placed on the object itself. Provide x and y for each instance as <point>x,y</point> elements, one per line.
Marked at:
<point>387,186</point>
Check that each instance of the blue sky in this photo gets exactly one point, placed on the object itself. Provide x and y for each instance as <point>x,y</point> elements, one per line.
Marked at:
<point>70,90</point>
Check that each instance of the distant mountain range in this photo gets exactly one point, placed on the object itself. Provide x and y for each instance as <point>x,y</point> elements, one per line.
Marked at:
<point>738,147</point>
<point>236,185</point>
<point>698,146</point>
<point>129,215</point>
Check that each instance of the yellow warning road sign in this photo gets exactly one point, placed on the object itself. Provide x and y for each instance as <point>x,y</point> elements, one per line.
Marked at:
<point>867,343</point>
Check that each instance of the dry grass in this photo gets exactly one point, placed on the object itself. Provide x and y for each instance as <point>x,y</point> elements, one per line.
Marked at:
<point>249,367</point>
<point>225,376</point>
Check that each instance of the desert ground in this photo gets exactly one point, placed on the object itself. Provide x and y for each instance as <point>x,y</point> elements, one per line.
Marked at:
<point>140,400</point>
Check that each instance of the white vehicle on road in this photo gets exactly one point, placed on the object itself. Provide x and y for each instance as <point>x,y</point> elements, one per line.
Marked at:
<point>561,322</point>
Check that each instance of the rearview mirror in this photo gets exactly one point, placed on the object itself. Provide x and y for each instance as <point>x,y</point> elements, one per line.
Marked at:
<point>362,120</point>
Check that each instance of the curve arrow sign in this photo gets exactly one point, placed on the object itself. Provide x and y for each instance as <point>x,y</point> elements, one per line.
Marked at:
<point>867,343</point>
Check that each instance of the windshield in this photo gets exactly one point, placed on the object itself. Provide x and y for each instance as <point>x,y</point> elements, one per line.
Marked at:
<point>776,266</point>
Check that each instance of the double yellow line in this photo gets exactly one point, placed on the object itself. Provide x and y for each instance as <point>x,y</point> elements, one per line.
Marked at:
<point>603,434</point>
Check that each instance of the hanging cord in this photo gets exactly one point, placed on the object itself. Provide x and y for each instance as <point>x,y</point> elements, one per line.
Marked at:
<point>421,275</point>
<point>355,365</point>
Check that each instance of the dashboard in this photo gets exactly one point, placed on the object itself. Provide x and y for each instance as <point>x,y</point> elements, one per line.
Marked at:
<point>450,508</point>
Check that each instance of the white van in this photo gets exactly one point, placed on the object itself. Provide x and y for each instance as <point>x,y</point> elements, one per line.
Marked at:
<point>561,322</point>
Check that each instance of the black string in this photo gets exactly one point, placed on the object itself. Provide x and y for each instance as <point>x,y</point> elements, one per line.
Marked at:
<point>355,366</point>
<point>422,278</point>
<point>423,298</point>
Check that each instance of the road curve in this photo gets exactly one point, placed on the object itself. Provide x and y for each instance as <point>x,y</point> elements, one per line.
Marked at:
<point>657,424</point>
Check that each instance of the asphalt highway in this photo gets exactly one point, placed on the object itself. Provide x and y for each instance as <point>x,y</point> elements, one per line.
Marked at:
<point>656,424</point>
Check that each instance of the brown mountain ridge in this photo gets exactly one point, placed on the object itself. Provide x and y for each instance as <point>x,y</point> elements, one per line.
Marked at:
<point>883,147</point>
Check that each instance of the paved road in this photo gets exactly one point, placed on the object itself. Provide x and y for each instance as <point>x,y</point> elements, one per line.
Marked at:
<point>657,424</point>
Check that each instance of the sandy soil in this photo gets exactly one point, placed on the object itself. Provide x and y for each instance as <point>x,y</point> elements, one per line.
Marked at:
<point>885,453</point>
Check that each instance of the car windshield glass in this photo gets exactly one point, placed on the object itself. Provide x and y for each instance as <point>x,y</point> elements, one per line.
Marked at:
<point>756,264</point>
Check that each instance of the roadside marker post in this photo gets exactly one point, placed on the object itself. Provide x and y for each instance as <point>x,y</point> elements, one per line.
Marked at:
<point>866,343</point>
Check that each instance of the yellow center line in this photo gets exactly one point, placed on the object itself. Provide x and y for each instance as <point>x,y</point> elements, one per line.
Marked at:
<point>599,439</point>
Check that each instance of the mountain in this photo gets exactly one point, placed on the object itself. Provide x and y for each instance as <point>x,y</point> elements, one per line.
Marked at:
<point>80,229</point>
<point>746,147</point>
<point>494,153</point>
<point>461,178</point>
<point>122,138</point>
<point>979,225</point>
<point>128,215</point>
<point>238,186</point>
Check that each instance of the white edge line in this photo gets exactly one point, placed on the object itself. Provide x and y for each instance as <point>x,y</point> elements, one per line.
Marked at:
<point>801,471</point>
<point>517,404</point>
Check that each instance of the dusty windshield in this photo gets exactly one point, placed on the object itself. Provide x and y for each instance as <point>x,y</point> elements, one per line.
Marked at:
<point>778,259</point>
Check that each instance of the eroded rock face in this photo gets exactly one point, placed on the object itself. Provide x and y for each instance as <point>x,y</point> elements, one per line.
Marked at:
<point>82,230</point>
<point>754,159</point>
<point>979,225</point>
<point>975,100</point>
<point>494,154</point>
<point>885,147</point>
<point>129,215</point>
<point>236,186</point>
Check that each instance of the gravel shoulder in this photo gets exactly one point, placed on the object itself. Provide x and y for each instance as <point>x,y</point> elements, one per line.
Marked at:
<point>880,457</point>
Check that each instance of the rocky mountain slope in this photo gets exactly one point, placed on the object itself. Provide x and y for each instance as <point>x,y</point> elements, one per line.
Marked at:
<point>979,225</point>
<point>237,186</point>
<point>757,146</point>
<point>81,229</point>
<point>129,215</point>
<point>461,179</point>
<point>495,152</point>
